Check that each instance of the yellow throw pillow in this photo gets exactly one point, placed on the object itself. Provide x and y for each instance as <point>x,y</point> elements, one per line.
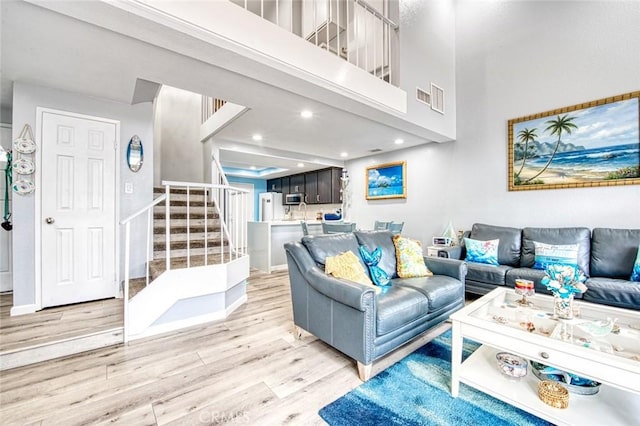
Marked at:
<point>347,266</point>
<point>409,258</point>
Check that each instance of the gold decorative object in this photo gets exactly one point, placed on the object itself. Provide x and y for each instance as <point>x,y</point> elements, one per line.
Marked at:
<point>553,394</point>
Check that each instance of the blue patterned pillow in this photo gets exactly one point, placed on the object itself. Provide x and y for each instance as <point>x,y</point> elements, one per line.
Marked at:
<point>378,275</point>
<point>635,274</point>
<point>482,251</point>
<point>549,254</point>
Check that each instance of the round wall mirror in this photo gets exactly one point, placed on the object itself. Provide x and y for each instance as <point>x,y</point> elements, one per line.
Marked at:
<point>135,155</point>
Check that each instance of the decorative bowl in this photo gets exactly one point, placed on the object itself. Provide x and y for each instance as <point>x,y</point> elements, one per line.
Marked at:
<point>578,385</point>
<point>511,365</point>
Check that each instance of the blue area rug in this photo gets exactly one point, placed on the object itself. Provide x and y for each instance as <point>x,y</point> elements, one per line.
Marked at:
<point>416,391</point>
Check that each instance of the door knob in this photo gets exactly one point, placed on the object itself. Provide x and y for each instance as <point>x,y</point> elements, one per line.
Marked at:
<point>49,220</point>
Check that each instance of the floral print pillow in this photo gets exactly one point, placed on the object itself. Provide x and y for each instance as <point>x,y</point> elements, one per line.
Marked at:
<point>409,258</point>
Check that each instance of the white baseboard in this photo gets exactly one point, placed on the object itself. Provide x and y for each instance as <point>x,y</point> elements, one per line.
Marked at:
<point>23,309</point>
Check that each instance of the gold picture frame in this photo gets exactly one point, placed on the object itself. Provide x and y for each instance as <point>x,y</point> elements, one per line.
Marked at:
<point>591,144</point>
<point>385,181</point>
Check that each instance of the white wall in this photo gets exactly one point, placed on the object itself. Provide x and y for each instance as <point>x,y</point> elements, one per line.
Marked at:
<point>134,119</point>
<point>427,55</point>
<point>515,59</point>
<point>177,116</point>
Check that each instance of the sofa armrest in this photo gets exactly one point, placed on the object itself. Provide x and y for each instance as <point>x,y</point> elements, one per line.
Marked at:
<point>346,292</point>
<point>450,267</point>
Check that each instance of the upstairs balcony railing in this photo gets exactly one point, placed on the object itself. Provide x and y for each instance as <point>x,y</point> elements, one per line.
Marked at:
<point>353,30</point>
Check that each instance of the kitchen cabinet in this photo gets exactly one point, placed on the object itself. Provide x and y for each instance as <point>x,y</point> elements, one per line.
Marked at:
<point>284,183</point>
<point>321,186</point>
<point>336,185</point>
<point>274,185</point>
<point>296,183</point>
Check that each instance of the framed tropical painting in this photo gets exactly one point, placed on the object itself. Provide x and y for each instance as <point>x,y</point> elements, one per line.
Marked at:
<point>387,181</point>
<point>591,144</point>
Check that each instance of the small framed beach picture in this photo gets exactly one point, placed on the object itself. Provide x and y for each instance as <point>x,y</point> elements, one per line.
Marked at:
<point>387,181</point>
<point>592,144</point>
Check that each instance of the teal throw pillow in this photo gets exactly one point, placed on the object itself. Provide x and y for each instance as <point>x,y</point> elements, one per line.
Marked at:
<point>482,251</point>
<point>550,254</point>
<point>635,274</point>
<point>378,275</point>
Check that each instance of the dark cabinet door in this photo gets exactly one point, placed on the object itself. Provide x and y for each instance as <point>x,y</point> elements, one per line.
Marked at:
<point>311,187</point>
<point>296,183</point>
<point>274,185</point>
<point>336,185</point>
<point>324,186</point>
<point>284,183</point>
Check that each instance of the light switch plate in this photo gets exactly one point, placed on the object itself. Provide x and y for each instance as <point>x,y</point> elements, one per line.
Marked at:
<point>128,188</point>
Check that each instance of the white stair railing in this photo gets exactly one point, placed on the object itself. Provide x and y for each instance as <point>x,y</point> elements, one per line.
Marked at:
<point>236,235</point>
<point>127,253</point>
<point>228,213</point>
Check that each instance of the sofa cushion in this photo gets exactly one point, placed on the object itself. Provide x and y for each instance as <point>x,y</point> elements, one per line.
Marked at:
<point>383,239</point>
<point>378,275</point>
<point>397,306</point>
<point>510,241</point>
<point>613,252</point>
<point>550,254</point>
<point>347,266</point>
<point>480,272</point>
<point>322,246</point>
<point>439,290</point>
<point>613,292</point>
<point>482,251</point>
<point>635,273</point>
<point>580,236</point>
<point>409,258</point>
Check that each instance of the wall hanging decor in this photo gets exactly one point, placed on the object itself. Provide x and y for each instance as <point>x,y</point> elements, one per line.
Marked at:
<point>592,144</point>
<point>135,154</point>
<point>23,166</point>
<point>386,181</point>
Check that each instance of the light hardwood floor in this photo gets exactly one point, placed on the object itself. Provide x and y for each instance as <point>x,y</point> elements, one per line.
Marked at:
<point>53,324</point>
<point>247,369</point>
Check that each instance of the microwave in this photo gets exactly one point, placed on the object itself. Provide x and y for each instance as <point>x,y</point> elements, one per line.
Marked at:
<point>295,198</point>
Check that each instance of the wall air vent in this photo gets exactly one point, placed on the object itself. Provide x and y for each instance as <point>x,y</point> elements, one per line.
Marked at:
<point>423,96</point>
<point>437,98</point>
<point>374,150</point>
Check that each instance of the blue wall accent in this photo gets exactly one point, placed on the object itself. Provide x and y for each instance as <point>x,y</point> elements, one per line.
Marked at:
<point>259,186</point>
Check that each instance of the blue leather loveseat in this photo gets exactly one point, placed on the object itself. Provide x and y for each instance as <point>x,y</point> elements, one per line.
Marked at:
<point>350,316</point>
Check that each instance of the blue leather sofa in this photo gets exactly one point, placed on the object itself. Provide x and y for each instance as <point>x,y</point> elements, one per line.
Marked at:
<point>605,256</point>
<point>350,316</point>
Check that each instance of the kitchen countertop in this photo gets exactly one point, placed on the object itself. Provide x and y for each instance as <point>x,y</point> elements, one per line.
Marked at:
<point>291,222</point>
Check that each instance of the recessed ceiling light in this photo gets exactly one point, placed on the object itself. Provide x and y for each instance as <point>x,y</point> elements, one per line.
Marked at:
<point>257,137</point>
<point>253,167</point>
<point>306,114</point>
<point>399,141</point>
<point>300,164</point>
<point>344,154</point>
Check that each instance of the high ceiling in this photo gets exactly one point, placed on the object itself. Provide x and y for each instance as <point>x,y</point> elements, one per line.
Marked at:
<point>46,48</point>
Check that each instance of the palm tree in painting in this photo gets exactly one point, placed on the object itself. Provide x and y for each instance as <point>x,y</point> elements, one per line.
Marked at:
<point>524,137</point>
<point>558,126</point>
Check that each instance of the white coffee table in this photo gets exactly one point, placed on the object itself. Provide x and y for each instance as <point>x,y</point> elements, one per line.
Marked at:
<point>496,321</point>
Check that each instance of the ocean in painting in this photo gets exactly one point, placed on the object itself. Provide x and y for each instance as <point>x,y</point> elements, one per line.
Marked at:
<point>385,191</point>
<point>601,159</point>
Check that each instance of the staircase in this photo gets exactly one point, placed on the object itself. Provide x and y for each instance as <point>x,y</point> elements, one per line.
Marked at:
<point>197,274</point>
<point>179,237</point>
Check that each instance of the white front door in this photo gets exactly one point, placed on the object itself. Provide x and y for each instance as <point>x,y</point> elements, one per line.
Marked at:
<point>77,208</point>
<point>5,236</point>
